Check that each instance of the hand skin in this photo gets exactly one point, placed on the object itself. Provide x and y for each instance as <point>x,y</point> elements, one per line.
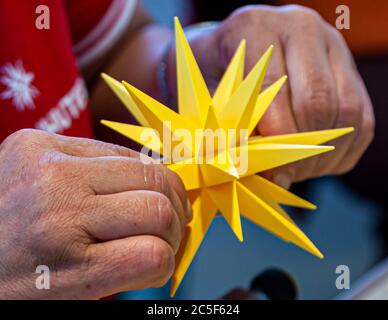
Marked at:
<point>101,219</point>
<point>323,91</point>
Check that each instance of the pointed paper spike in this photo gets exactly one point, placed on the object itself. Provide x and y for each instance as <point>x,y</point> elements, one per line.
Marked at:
<point>119,89</point>
<point>189,173</point>
<point>145,136</point>
<point>266,197</point>
<point>231,79</point>
<point>211,120</point>
<point>275,155</point>
<point>212,139</point>
<point>313,137</point>
<point>204,211</point>
<point>225,198</point>
<point>193,95</point>
<point>156,113</point>
<point>237,112</point>
<point>262,186</point>
<point>164,120</point>
<point>263,102</point>
<point>262,214</point>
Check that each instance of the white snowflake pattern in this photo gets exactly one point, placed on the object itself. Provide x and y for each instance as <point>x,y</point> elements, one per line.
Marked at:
<point>18,85</point>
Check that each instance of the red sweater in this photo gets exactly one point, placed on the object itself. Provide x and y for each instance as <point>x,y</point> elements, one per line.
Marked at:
<point>40,82</point>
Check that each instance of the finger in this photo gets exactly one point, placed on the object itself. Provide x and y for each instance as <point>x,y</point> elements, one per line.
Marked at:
<point>313,93</point>
<point>109,175</point>
<point>127,264</point>
<point>279,118</point>
<point>83,147</point>
<point>363,136</point>
<point>350,103</point>
<point>134,213</point>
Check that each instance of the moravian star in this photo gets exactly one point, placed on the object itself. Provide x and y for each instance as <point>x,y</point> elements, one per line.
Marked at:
<point>218,186</point>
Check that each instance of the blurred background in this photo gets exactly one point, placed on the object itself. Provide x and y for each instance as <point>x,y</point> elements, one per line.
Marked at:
<point>351,223</point>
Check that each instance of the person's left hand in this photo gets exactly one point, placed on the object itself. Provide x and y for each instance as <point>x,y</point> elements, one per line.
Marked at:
<point>324,89</point>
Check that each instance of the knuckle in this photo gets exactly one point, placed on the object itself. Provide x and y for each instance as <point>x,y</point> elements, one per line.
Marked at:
<point>155,177</point>
<point>305,169</point>
<point>102,147</point>
<point>175,180</point>
<point>350,107</point>
<point>250,16</point>
<point>161,261</point>
<point>345,168</point>
<point>112,149</point>
<point>369,128</point>
<point>318,101</point>
<point>25,139</point>
<point>164,213</point>
<point>335,34</point>
<point>247,13</point>
<point>30,135</point>
<point>302,176</point>
<point>320,87</point>
<point>51,165</point>
<point>303,14</point>
<point>23,134</point>
<point>244,23</point>
<point>58,182</point>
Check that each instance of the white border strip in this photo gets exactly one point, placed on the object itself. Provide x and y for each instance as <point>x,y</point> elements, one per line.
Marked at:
<point>106,33</point>
<point>373,285</point>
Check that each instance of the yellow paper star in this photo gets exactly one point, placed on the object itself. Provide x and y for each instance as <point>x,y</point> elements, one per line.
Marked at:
<point>214,185</point>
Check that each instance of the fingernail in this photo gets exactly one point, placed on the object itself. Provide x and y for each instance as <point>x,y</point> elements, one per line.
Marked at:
<point>283,180</point>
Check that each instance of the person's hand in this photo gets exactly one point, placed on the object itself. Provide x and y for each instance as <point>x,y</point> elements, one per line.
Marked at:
<point>324,89</point>
<point>102,220</point>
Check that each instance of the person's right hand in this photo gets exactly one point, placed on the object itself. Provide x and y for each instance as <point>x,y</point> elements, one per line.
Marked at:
<point>102,220</point>
<point>324,89</point>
